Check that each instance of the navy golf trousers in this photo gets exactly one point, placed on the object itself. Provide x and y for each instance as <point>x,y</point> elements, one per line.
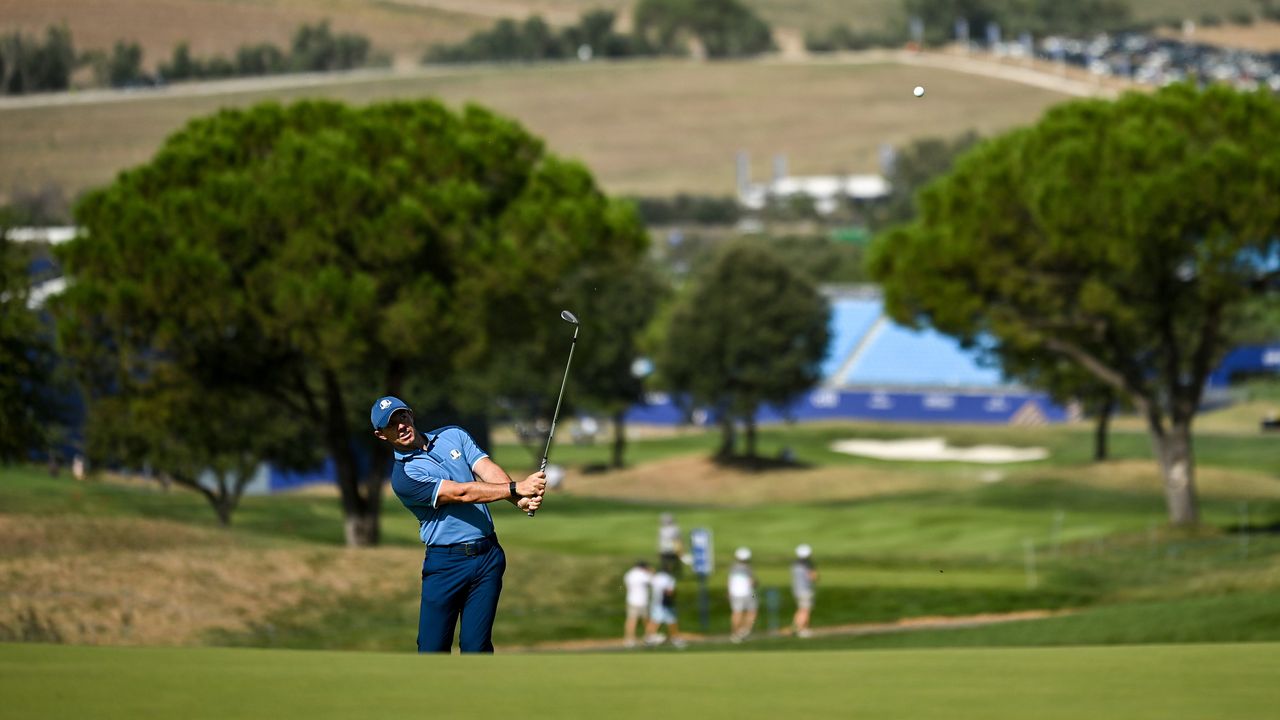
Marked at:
<point>460,582</point>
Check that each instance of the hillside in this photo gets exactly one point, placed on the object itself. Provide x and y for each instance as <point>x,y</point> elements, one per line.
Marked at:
<point>405,28</point>
<point>645,127</point>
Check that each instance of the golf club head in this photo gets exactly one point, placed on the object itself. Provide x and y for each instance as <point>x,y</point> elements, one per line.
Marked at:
<point>568,317</point>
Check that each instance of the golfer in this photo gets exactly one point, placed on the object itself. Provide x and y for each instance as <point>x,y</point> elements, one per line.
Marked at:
<point>446,481</point>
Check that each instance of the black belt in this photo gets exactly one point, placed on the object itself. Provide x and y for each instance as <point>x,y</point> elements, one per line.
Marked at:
<point>473,547</point>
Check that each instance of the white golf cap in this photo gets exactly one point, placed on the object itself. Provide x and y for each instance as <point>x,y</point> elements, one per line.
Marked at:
<point>803,551</point>
<point>743,554</point>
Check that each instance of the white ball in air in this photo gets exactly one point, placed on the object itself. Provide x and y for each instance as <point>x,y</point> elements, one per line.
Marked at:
<point>919,91</point>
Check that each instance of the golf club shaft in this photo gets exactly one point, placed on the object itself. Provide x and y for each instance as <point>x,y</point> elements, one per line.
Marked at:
<point>556,415</point>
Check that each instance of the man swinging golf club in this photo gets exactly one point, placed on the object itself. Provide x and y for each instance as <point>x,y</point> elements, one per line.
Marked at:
<point>447,481</point>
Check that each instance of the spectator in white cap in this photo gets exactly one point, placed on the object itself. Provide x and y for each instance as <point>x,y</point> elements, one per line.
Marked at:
<point>670,547</point>
<point>637,582</point>
<point>803,579</point>
<point>742,596</point>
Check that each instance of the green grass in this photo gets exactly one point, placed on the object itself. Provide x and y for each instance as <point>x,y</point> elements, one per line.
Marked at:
<point>1128,683</point>
<point>1068,446</point>
<point>1249,617</point>
<point>956,549</point>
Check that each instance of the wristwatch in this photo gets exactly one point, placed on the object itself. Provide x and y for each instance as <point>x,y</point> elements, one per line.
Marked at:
<point>512,487</point>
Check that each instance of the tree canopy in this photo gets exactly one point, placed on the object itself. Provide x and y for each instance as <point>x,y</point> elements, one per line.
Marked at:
<point>29,405</point>
<point>1124,236</point>
<point>311,258</point>
<point>749,331</point>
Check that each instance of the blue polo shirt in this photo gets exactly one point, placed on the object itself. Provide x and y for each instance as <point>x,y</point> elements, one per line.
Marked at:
<point>450,454</point>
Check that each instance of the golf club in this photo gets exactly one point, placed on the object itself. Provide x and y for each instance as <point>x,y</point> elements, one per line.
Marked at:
<point>569,318</point>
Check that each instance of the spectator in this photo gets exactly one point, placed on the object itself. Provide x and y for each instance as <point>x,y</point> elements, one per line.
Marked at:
<point>670,546</point>
<point>662,608</point>
<point>742,596</point>
<point>803,579</point>
<point>637,581</point>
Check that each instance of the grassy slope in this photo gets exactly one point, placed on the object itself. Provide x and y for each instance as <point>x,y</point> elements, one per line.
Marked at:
<point>652,127</point>
<point>1122,682</point>
<point>955,549</point>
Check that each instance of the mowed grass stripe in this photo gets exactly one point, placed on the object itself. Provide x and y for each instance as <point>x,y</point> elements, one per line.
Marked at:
<point>644,127</point>
<point>1129,682</point>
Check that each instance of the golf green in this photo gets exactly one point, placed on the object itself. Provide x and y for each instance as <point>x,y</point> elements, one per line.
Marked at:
<point>1129,682</point>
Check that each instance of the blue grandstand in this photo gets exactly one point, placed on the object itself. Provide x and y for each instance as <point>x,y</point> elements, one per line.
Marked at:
<point>876,369</point>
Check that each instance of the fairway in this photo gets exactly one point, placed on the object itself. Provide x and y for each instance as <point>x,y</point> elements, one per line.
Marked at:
<point>1129,683</point>
<point>650,128</point>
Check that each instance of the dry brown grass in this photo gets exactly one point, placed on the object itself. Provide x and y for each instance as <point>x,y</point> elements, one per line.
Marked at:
<point>647,128</point>
<point>211,27</point>
<point>145,582</point>
<point>1260,36</point>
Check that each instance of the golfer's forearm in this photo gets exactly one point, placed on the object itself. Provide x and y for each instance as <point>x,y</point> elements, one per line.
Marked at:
<point>489,471</point>
<point>476,492</point>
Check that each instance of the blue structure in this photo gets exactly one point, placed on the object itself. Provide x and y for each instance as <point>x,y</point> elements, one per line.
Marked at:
<point>1246,360</point>
<point>878,370</point>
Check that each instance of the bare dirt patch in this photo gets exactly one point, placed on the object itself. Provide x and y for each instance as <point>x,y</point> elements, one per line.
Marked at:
<point>699,479</point>
<point>1259,37</point>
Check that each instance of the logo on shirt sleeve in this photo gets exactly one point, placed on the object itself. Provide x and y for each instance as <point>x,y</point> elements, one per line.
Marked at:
<point>455,454</point>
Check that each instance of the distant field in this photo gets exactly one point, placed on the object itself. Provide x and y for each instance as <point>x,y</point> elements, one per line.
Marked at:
<point>407,27</point>
<point>217,27</point>
<point>1124,683</point>
<point>651,128</point>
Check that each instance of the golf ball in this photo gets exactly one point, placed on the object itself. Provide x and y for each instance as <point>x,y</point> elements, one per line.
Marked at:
<point>919,91</point>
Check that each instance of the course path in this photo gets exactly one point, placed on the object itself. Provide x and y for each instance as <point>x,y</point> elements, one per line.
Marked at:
<point>974,65</point>
<point>897,626</point>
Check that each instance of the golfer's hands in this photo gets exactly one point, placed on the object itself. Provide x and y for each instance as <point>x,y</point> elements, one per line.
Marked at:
<point>529,504</point>
<point>532,486</point>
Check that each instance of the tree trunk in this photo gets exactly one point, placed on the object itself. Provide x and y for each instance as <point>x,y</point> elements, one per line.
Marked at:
<point>224,506</point>
<point>360,514</point>
<point>727,439</point>
<point>1177,467</point>
<point>619,437</point>
<point>1105,410</point>
<point>751,437</point>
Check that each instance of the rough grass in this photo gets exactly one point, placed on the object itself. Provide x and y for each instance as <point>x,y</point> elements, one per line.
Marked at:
<point>642,128</point>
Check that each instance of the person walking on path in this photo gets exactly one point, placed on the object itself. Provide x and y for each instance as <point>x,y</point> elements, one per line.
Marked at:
<point>804,578</point>
<point>637,582</point>
<point>742,596</point>
<point>447,482</point>
<point>662,607</point>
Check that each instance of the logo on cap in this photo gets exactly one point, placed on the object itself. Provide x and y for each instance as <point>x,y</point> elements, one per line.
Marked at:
<point>384,404</point>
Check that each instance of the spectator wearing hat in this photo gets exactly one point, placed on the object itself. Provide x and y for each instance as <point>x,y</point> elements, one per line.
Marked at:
<point>803,580</point>
<point>670,546</point>
<point>742,596</point>
<point>662,607</point>
<point>637,582</point>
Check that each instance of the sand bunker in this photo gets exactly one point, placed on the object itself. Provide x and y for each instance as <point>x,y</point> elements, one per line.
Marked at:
<point>936,450</point>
